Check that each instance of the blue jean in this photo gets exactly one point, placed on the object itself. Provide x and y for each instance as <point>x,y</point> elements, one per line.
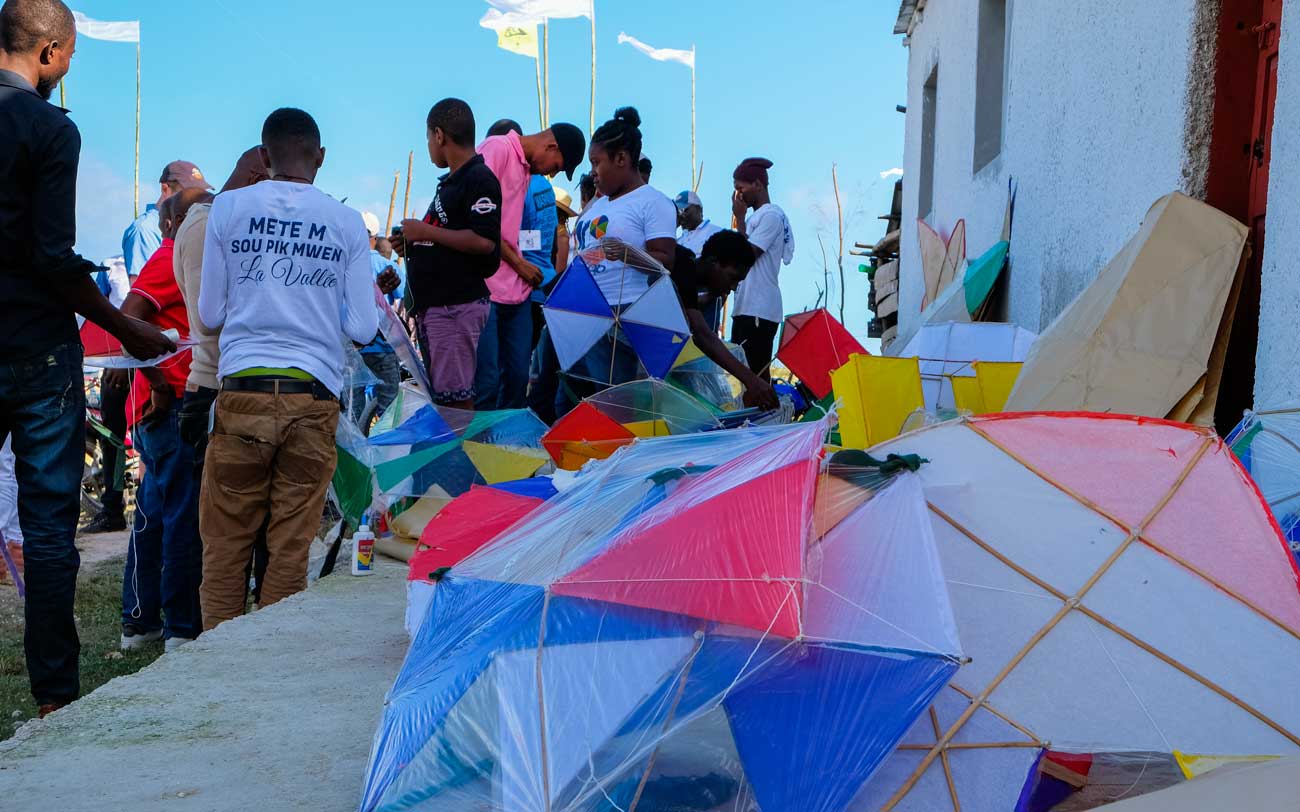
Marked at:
<point>504,349</point>
<point>164,562</point>
<point>545,386</point>
<point>43,407</point>
<point>384,366</point>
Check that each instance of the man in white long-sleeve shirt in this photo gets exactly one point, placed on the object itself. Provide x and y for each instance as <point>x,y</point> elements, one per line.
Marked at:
<point>286,277</point>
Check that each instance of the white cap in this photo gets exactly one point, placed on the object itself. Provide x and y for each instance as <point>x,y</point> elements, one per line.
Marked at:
<point>372,222</point>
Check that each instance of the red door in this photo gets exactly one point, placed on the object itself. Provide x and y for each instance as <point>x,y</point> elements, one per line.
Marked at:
<point>1269,35</point>
<point>1236,392</point>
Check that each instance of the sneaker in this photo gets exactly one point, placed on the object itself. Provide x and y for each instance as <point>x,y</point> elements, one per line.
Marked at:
<point>133,637</point>
<point>103,523</point>
<point>174,643</point>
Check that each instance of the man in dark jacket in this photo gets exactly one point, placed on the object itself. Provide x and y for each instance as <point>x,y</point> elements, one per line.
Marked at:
<point>43,285</point>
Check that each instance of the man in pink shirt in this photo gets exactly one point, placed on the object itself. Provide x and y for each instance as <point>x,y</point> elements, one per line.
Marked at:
<point>506,343</point>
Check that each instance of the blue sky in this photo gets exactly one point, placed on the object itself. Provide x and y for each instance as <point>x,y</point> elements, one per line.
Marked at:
<point>803,89</point>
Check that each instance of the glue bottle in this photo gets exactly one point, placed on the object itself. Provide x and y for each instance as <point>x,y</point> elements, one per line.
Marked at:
<point>363,551</point>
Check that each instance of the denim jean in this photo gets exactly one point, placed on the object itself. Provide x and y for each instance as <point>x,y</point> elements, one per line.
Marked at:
<point>384,366</point>
<point>501,378</point>
<point>164,561</point>
<point>43,408</point>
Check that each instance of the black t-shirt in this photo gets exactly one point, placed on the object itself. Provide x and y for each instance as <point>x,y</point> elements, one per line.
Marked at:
<point>469,198</point>
<point>685,279</point>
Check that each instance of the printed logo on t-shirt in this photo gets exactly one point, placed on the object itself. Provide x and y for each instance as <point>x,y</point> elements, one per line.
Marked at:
<point>599,227</point>
<point>483,205</point>
<point>278,246</point>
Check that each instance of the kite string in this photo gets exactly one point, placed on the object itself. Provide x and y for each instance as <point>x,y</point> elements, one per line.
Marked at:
<point>1169,748</point>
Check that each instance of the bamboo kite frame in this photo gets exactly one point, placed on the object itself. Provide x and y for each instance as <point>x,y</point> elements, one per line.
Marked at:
<point>1069,603</point>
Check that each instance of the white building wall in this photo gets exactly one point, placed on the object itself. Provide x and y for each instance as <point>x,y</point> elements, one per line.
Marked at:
<point>1277,359</point>
<point>1094,133</point>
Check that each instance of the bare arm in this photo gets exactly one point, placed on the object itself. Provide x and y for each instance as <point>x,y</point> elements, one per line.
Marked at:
<point>663,249</point>
<point>136,306</point>
<point>758,392</point>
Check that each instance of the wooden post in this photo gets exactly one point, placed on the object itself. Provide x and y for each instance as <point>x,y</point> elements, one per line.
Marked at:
<point>699,178</point>
<point>392,204</point>
<point>541,101</point>
<point>839,219</point>
<point>546,72</point>
<point>592,123</point>
<point>406,201</point>
<point>694,183</point>
<point>136,193</point>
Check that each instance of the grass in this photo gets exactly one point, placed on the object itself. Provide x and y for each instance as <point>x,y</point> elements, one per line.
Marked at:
<point>99,623</point>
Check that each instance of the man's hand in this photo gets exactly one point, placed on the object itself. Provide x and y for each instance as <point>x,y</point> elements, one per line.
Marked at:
<point>388,281</point>
<point>418,231</point>
<point>530,273</point>
<point>161,399</point>
<point>142,340</point>
<point>760,393</point>
<point>398,241</point>
<point>118,380</point>
<point>738,207</point>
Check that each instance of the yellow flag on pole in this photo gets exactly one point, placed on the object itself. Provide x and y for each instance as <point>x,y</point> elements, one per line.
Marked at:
<point>515,33</point>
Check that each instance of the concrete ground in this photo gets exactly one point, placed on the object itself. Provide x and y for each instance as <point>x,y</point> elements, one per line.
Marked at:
<point>272,711</point>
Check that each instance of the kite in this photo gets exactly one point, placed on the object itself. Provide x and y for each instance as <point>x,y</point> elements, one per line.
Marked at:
<point>813,345</point>
<point>1119,586</point>
<point>947,350</point>
<point>667,633</point>
<point>616,417</point>
<point>1267,442</point>
<point>578,315</point>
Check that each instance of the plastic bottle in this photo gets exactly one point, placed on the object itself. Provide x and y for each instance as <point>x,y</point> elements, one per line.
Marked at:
<point>363,551</point>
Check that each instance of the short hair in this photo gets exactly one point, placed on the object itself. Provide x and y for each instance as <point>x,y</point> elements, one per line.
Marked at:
<point>621,133</point>
<point>587,185</point>
<point>730,248</point>
<point>505,125</point>
<point>25,24</point>
<point>644,166</point>
<point>288,131</point>
<point>455,119</point>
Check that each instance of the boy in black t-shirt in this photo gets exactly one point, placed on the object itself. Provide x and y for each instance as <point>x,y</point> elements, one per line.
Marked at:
<point>451,252</point>
<point>723,263</point>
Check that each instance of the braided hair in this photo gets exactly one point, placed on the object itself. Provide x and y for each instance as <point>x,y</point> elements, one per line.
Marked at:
<point>621,133</point>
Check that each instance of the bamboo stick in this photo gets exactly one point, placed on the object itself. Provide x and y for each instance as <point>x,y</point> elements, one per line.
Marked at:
<point>406,200</point>
<point>392,204</point>
<point>541,704</point>
<point>136,192</point>
<point>947,767</point>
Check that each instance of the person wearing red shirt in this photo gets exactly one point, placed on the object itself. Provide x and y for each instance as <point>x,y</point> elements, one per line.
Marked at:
<point>164,563</point>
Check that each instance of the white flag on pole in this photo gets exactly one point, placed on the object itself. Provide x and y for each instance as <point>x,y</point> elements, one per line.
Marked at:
<point>124,31</point>
<point>536,11</point>
<point>687,58</point>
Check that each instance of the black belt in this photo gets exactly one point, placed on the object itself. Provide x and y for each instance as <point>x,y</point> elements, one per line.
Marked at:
<point>277,386</point>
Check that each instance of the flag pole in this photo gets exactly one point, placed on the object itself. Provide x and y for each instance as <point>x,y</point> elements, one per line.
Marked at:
<point>392,204</point>
<point>406,201</point>
<point>541,102</point>
<point>546,70</point>
<point>136,195</point>
<point>593,67</point>
<point>699,178</point>
<point>694,184</point>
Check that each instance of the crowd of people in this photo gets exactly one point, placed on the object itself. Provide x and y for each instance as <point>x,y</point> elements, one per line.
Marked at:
<point>270,285</point>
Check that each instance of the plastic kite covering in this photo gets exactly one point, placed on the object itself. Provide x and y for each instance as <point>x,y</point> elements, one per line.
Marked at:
<point>814,344</point>
<point>941,260</point>
<point>966,300</point>
<point>1268,444</point>
<point>1119,586</point>
<point>104,351</point>
<point>878,395</point>
<point>1139,339</point>
<point>578,315</point>
<point>947,351</point>
<point>669,633</point>
<point>987,390</point>
<point>696,373</point>
<point>435,455</point>
<point>616,417</point>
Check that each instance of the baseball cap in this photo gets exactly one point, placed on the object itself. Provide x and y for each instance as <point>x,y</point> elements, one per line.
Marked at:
<point>686,199</point>
<point>372,222</point>
<point>186,174</point>
<point>573,146</point>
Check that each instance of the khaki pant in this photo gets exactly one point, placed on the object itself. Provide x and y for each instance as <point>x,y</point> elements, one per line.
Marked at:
<point>269,455</point>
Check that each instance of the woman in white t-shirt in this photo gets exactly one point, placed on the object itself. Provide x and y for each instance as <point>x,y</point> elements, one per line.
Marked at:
<point>633,213</point>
